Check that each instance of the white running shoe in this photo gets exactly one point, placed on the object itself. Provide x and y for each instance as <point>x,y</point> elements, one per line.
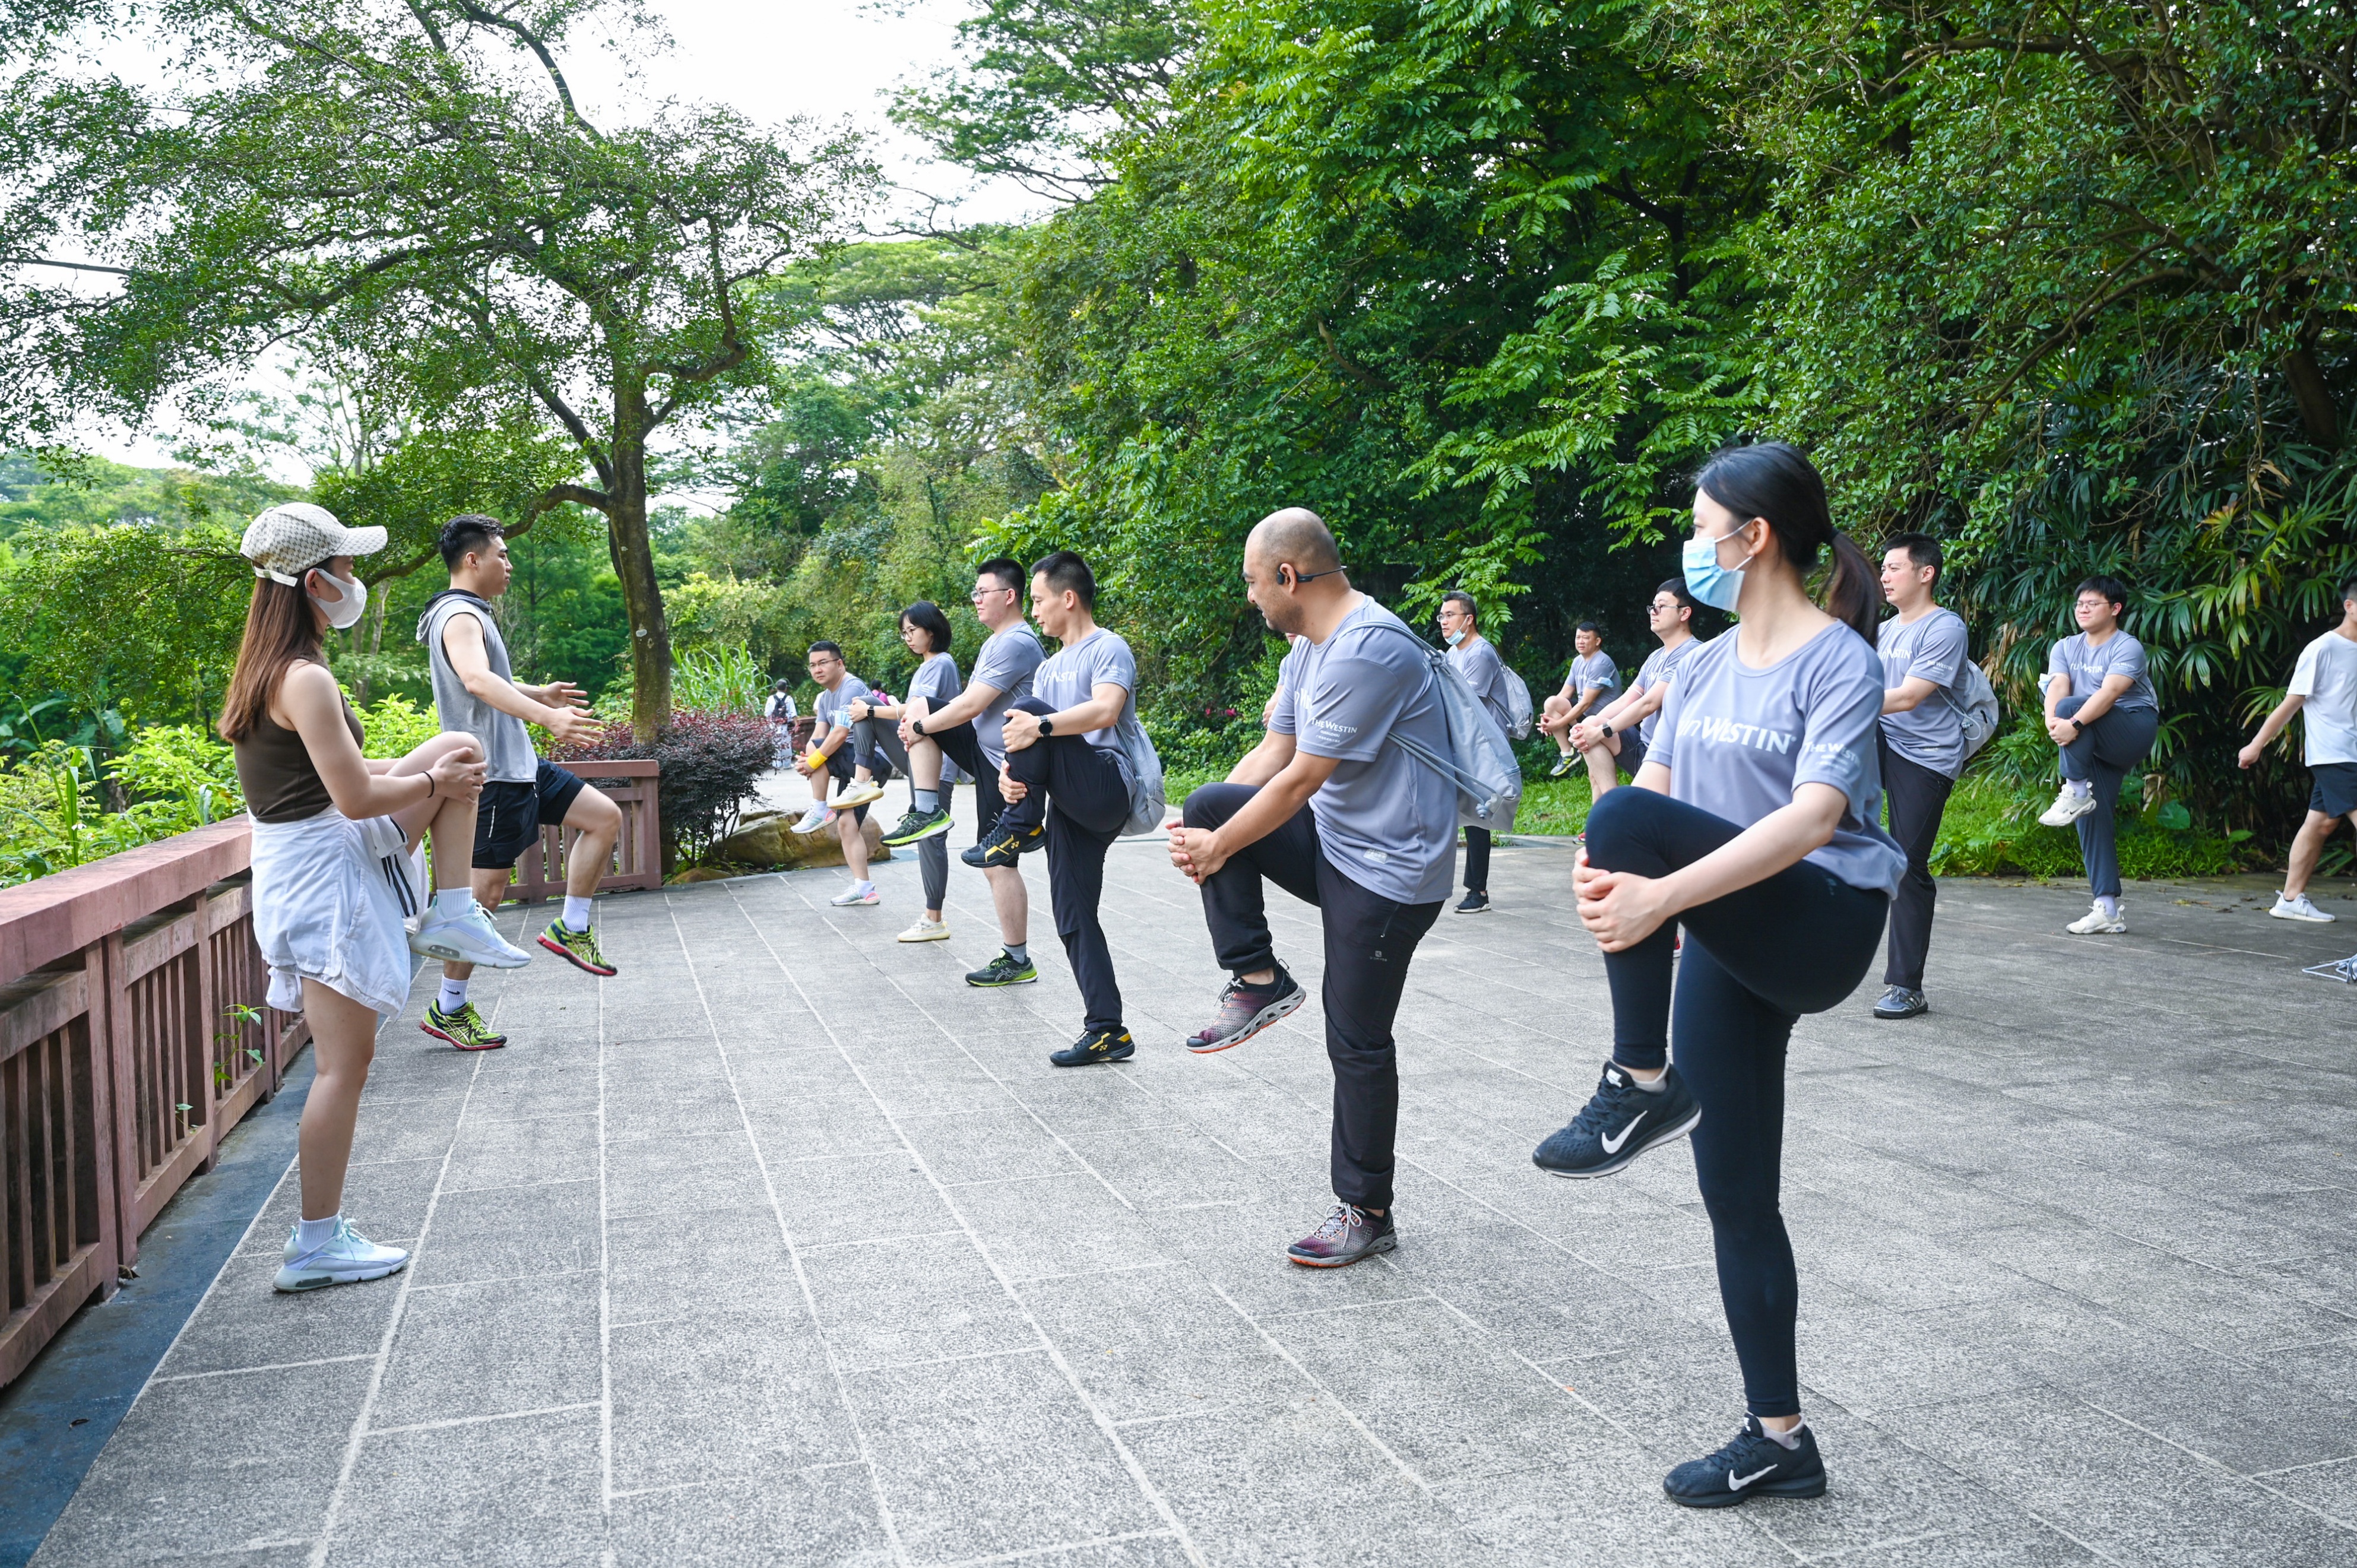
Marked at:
<point>2068,808</point>
<point>470,938</point>
<point>857,893</point>
<point>925,931</point>
<point>2299,908</point>
<point>859,792</point>
<point>2096,923</point>
<point>814,819</point>
<point>347,1259</point>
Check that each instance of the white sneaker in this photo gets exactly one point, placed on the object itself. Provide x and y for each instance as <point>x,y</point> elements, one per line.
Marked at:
<point>813,819</point>
<point>347,1259</point>
<point>470,938</point>
<point>2068,808</point>
<point>2096,923</point>
<point>859,792</point>
<point>2299,908</point>
<point>857,893</point>
<point>925,931</point>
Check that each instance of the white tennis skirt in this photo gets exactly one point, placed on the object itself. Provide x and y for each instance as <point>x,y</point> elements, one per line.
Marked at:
<point>331,897</point>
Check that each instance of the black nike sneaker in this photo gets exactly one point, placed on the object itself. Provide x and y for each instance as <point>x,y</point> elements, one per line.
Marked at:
<point>1096,1046</point>
<point>1007,845</point>
<point>1004,970</point>
<point>1753,1464</point>
<point>1618,1123</point>
<point>1474,903</point>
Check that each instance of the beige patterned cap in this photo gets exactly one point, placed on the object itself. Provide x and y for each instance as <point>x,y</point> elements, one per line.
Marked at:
<point>294,536</point>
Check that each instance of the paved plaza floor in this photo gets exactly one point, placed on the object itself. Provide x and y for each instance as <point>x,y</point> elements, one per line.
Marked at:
<point>785,1246</point>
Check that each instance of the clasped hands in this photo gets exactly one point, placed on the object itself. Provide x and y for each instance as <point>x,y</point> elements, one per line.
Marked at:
<point>1619,908</point>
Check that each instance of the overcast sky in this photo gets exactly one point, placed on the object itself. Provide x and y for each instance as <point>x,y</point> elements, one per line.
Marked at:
<point>774,61</point>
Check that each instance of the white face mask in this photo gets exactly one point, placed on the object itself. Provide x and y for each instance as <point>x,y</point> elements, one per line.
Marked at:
<point>1454,637</point>
<point>347,610</point>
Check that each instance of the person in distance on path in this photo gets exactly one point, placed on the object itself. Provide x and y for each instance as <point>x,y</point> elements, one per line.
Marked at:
<point>832,758</point>
<point>1477,664</point>
<point>967,730</point>
<point>1328,810</point>
<point>2103,717</point>
<point>1614,741</point>
<point>474,693</point>
<point>929,636</point>
<point>2324,692</point>
<point>1587,685</point>
<point>1753,824</point>
<point>1067,786</point>
<point>1921,749</point>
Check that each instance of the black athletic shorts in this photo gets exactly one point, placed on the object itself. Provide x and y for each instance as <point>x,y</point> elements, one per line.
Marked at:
<point>1633,750</point>
<point>2335,790</point>
<point>509,815</point>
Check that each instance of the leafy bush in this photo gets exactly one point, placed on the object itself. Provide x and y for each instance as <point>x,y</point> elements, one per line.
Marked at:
<point>396,726</point>
<point>719,681</point>
<point>182,770</point>
<point>712,763</point>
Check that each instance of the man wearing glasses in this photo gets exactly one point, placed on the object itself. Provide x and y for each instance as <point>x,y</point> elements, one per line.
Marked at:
<point>1614,741</point>
<point>968,730</point>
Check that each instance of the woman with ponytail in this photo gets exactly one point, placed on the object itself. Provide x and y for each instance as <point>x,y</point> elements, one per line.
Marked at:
<point>1754,823</point>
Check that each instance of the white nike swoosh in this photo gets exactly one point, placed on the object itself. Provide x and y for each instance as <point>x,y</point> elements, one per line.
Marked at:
<point>1612,1145</point>
<point>1736,1483</point>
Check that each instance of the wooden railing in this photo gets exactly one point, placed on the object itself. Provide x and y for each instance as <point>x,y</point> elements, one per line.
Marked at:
<point>638,854</point>
<point>134,1035</point>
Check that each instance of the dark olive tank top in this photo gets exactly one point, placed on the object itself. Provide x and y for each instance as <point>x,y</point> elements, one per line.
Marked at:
<point>274,768</point>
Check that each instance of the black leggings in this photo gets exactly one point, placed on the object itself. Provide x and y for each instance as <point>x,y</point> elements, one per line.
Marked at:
<point>1754,961</point>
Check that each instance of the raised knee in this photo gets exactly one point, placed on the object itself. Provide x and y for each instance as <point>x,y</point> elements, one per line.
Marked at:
<point>1205,806</point>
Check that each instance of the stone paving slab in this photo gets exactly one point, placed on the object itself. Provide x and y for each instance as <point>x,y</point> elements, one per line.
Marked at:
<point>784,1246</point>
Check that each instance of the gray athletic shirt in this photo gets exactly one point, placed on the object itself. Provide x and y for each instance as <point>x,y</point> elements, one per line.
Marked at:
<point>1658,668</point>
<point>507,745</point>
<point>1930,734</point>
<point>1739,742</point>
<point>2085,667</point>
<point>1384,820</point>
<point>936,680</point>
<point>1007,663</point>
<point>1595,669</point>
<point>1479,664</point>
<point>1071,676</point>
<point>828,711</point>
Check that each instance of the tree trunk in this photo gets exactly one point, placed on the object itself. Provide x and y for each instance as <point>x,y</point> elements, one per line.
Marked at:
<point>2309,390</point>
<point>634,562</point>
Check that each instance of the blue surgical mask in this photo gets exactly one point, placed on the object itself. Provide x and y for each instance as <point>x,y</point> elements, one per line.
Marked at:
<point>1453,638</point>
<point>1715,585</point>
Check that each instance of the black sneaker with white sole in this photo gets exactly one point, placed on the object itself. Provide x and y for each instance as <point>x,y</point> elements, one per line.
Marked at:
<point>1093,1047</point>
<point>1004,970</point>
<point>1753,1464</point>
<point>1474,903</point>
<point>1246,1009</point>
<point>1618,1123</point>
<point>1007,845</point>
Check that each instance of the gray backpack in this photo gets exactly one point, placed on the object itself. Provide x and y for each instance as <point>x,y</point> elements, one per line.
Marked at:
<point>1480,761</point>
<point>1146,798</point>
<point>1522,714</point>
<point>1978,708</point>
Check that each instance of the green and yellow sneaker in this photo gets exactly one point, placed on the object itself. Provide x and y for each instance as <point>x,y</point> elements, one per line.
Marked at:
<point>1004,970</point>
<point>580,947</point>
<point>465,1028</point>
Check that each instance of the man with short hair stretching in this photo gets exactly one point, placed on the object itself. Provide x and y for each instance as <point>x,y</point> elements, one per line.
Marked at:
<point>2324,692</point>
<point>1615,741</point>
<point>968,731</point>
<point>1921,745</point>
<point>1591,679</point>
<point>1476,663</point>
<point>832,757</point>
<point>474,693</point>
<point>2103,716</point>
<point>1331,812</point>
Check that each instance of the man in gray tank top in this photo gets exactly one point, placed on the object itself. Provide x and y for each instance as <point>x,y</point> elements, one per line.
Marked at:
<point>475,693</point>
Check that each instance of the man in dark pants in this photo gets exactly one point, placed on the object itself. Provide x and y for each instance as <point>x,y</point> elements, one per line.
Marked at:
<point>1067,786</point>
<point>1476,662</point>
<point>1921,745</point>
<point>1330,812</point>
<point>2103,715</point>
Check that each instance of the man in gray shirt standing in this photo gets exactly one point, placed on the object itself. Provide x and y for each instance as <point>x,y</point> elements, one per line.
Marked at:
<point>1476,663</point>
<point>1921,746</point>
<point>1331,812</point>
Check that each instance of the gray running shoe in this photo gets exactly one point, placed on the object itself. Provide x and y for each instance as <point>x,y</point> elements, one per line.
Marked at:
<point>1899,1002</point>
<point>1246,1010</point>
<point>1349,1235</point>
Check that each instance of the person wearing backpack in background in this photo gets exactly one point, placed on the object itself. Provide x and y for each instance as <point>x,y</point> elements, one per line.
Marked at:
<point>1924,652</point>
<point>1476,663</point>
<point>1614,741</point>
<point>2103,715</point>
<point>1331,807</point>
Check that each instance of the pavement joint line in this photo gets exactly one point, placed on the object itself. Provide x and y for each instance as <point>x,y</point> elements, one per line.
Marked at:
<point>448,1423</point>
<point>1110,1269</point>
<point>1061,1546</point>
<point>505,1280</point>
<point>2218,1465</point>
<point>880,1240</point>
<point>267,1366</point>
<point>722,1480</point>
<point>1315,1381</point>
<point>785,1231</point>
<point>1287,1314</point>
<point>605,1304</point>
<point>1129,1460</point>
<point>522,1186</point>
<point>1878,1544</point>
<point>2294,1469</point>
<point>952,1360</point>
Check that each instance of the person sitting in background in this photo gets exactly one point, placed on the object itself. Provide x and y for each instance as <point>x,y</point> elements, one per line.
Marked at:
<point>1614,741</point>
<point>2103,717</point>
<point>2324,690</point>
<point>1590,681</point>
<point>829,760</point>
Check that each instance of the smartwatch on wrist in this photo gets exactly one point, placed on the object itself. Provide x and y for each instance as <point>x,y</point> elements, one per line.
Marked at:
<point>1604,727</point>
<point>1047,724</point>
<point>916,726</point>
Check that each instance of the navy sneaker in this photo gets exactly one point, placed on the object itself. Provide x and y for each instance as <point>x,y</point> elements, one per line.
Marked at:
<point>1246,1010</point>
<point>1349,1234</point>
<point>1899,1001</point>
<point>1007,845</point>
<point>1753,1464</point>
<point>971,854</point>
<point>1478,903</point>
<point>1617,1125</point>
<point>1093,1047</point>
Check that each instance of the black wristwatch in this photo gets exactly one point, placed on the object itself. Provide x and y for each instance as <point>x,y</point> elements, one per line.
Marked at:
<point>916,726</point>
<point>1047,724</point>
<point>1604,728</point>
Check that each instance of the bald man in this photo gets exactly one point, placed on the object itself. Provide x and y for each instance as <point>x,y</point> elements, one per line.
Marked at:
<point>1325,809</point>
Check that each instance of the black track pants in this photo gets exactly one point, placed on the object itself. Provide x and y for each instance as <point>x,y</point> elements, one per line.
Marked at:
<point>1918,797</point>
<point>1079,794</point>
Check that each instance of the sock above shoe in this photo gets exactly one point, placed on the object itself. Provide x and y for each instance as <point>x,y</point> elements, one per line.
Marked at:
<point>452,903</point>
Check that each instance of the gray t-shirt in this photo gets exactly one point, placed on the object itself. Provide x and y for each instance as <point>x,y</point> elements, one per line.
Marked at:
<point>1593,670</point>
<point>507,744</point>
<point>1477,664</point>
<point>828,711</point>
<point>1007,663</point>
<point>1071,676</point>
<point>1384,820</point>
<point>1739,742</point>
<point>1658,668</point>
<point>936,680</point>
<point>2085,667</point>
<point>1930,734</point>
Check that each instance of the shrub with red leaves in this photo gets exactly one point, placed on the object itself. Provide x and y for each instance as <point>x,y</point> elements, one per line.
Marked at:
<point>712,764</point>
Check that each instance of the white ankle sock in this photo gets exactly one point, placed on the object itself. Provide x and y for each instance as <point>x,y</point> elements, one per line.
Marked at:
<point>2080,786</point>
<point>1787,1440</point>
<point>2110,907</point>
<point>452,903</point>
<point>454,994</point>
<point>310,1235</point>
<point>576,913</point>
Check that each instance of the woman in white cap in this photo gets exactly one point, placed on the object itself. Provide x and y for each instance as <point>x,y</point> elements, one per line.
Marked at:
<point>333,835</point>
